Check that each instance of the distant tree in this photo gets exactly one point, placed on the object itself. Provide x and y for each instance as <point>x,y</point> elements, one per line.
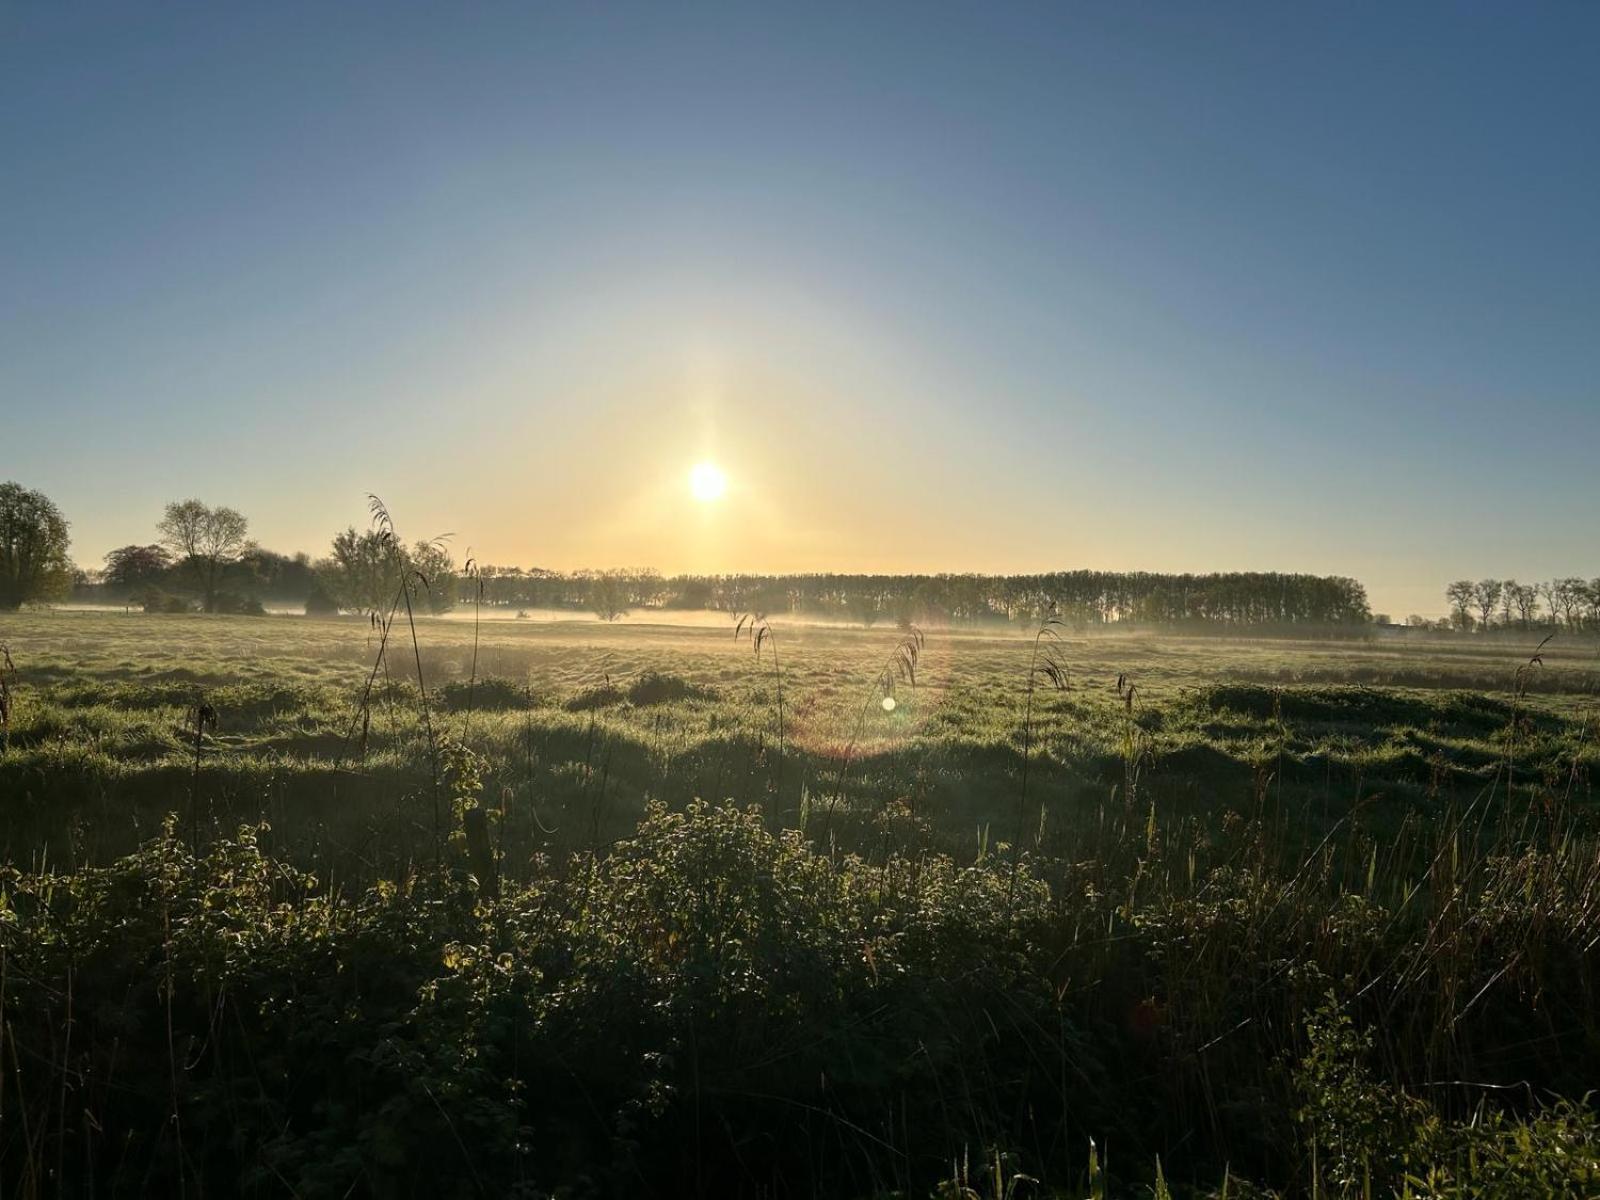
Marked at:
<point>206,540</point>
<point>863,606</point>
<point>1486,596</point>
<point>1569,597</point>
<point>33,548</point>
<point>692,593</point>
<point>1460,595</point>
<point>608,595</point>
<point>365,570</point>
<point>769,596</point>
<point>433,563</point>
<point>1525,598</point>
<point>319,602</point>
<point>263,572</point>
<point>647,588</point>
<point>133,567</point>
<point>1548,593</point>
<point>87,582</point>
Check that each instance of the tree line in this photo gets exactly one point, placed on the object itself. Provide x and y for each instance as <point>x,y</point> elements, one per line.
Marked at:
<point>1571,603</point>
<point>203,557</point>
<point>1243,599</point>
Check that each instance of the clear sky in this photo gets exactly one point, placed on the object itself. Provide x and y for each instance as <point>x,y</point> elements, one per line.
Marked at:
<point>979,287</point>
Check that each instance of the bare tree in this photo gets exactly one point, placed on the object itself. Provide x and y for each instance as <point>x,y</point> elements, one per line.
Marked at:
<point>1460,595</point>
<point>207,540</point>
<point>1549,592</point>
<point>608,595</point>
<point>1526,598</point>
<point>1486,595</point>
<point>1569,595</point>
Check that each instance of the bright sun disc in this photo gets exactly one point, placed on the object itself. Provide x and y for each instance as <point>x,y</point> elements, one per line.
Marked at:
<point>707,482</point>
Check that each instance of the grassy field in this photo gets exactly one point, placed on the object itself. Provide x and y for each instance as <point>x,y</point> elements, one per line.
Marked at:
<point>588,721</point>
<point>1316,914</point>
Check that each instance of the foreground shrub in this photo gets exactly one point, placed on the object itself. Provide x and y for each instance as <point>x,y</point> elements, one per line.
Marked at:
<point>719,1009</point>
<point>154,600</point>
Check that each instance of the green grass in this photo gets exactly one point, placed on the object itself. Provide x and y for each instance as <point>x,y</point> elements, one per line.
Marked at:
<point>1309,914</point>
<point>593,720</point>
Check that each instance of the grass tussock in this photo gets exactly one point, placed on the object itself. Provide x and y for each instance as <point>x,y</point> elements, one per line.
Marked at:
<point>484,695</point>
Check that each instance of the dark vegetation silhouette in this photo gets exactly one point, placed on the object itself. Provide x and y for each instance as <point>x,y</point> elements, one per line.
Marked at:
<point>204,553</point>
<point>1570,603</point>
<point>1078,598</point>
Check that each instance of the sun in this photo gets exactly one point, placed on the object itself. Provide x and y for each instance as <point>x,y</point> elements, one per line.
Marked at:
<point>707,482</point>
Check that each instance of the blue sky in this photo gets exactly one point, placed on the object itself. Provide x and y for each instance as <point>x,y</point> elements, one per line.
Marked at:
<point>939,287</point>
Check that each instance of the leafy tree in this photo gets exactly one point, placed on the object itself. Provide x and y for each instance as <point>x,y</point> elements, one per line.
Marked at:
<point>33,548</point>
<point>206,540</point>
<point>692,593</point>
<point>131,567</point>
<point>864,607</point>
<point>365,570</point>
<point>608,595</point>
<point>433,562</point>
<point>265,572</point>
<point>319,602</point>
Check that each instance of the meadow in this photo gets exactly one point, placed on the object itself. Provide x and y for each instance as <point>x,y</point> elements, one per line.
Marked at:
<point>607,909</point>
